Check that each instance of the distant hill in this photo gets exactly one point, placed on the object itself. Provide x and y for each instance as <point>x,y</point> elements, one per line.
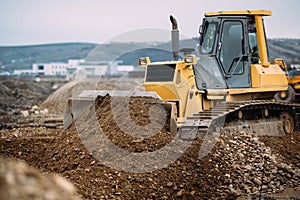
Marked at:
<point>25,56</point>
<point>18,57</point>
<point>289,49</point>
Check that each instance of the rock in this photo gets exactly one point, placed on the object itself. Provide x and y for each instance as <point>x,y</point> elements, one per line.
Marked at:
<point>246,188</point>
<point>227,176</point>
<point>180,193</point>
<point>241,155</point>
<point>257,181</point>
<point>35,107</point>
<point>254,189</point>
<point>238,191</point>
<point>169,184</point>
<point>44,111</point>
<point>259,165</point>
<point>231,189</point>
<point>248,167</point>
<point>138,140</point>
<point>87,170</point>
<point>24,113</point>
<point>254,140</point>
<point>282,165</point>
<point>264,187</point>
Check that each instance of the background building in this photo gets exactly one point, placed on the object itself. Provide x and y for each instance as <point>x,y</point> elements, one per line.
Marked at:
<point>77,67</point>
<point>50,69</point>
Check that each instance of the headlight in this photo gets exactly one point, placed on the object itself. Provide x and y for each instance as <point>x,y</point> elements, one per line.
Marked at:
<point>190,59</point>
<point>144,61</point>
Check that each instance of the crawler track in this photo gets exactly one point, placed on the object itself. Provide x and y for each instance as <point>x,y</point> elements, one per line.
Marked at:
<point>261,117</point>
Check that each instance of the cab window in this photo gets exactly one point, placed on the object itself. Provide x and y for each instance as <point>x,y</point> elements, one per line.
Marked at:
<point>208,38</point>
<point>231,51</point>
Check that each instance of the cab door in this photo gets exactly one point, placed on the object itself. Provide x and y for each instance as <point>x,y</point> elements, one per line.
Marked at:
<point>231,53</point>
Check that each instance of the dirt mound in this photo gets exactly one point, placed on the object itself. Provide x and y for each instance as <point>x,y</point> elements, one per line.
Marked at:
<point>221,174</point>
<point>21,94</point>
<point>20,181</point>
<point>117,123</point>
<point>17,95</point>
<point>239,165</point>
<point>56,102</point>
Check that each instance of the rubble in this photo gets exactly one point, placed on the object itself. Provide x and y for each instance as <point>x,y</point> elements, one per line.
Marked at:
<point>20,98</point>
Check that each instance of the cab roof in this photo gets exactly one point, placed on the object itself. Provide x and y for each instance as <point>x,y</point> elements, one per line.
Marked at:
<point>240,13</point>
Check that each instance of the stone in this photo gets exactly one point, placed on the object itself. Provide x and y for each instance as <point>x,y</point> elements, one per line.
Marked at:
<point>169,184</point>
<point>24,113</point>
<point>257,181</point>
<point>35,107</point>
<point>227,175</point>
<point>87,170</point>
<point>180,193</point>
<point>248,167</point>
<point>254,140</point>
<point>246,188</point>
<point>231,189</point>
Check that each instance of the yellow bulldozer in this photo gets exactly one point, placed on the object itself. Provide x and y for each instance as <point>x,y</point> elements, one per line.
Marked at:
<point>293,76</point>
<point>225,84</point>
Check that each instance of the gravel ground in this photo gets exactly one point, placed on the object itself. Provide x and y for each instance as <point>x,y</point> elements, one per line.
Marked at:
<point>240,165</point>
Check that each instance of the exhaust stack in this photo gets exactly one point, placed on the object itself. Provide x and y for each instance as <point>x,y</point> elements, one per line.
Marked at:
<point>175,38</point>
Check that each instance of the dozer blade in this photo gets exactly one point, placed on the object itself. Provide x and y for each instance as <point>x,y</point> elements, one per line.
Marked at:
<point>75,106</point>
<point>117,93</point>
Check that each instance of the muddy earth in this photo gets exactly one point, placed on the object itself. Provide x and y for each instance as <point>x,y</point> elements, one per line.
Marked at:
<point>236,166</point>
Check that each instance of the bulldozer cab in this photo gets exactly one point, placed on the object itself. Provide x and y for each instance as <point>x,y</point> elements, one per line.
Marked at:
<point>229,44</point>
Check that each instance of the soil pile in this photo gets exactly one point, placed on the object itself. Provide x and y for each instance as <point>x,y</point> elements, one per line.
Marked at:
<point>239,165</point>
<point>57,101</point>
<point>20,181</point>
<point>18,95</point>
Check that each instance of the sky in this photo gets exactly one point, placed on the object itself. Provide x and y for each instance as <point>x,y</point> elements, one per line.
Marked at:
<point>28,22</point>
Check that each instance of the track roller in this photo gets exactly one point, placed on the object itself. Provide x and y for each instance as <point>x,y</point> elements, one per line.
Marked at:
<point>288,122</point>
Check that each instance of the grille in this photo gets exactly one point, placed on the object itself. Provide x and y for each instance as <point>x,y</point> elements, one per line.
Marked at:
<point>160,73</point>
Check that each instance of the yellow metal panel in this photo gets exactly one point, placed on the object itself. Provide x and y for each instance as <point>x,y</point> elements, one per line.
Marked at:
<point>166,91</point>
<point>256,90</point>
<point>261,41</point>
<point>254,76</point>
<point>294,80</point>
<point>273,76</point>
<point>216,94</point>
<point>193,104</point>
<point>177,90</point>
<point>244,12</point>
<point>270,77</point>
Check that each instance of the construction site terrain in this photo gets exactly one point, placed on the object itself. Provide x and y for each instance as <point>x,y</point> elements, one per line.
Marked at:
<point>33,144</point>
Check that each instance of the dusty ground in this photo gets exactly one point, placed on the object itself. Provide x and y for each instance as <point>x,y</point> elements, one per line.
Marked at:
<point>18,95</point>
<point>239,166</point>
